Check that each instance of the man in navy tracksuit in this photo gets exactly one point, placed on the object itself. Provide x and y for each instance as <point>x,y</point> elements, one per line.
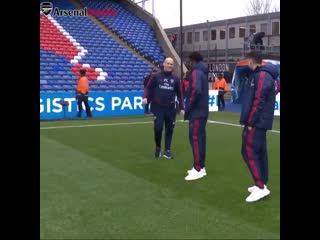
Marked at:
<point>257,117</point>
<point>161,90</point>
<point>197,110</point>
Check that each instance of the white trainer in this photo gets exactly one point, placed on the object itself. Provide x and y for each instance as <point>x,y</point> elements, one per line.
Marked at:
<point>257,194</point>
<point>193,175</point>
<point>203,170</point>
<point>250,189</point>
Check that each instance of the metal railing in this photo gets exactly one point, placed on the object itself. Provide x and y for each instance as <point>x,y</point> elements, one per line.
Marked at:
<point>265,49</point>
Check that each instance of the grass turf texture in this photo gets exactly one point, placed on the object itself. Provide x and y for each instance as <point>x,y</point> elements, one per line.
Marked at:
<point>102,182</point>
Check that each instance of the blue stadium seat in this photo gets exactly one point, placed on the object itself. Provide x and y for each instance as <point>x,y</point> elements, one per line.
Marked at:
<point>103,51</point>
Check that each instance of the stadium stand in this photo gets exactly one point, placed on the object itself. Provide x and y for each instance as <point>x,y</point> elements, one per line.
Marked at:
<point>130,28</point>
<point>70,43</point>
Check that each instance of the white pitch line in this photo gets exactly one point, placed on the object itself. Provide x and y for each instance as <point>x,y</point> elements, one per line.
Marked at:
<point>134,123</point>
<point>95,125</point>
<point>236,125</point>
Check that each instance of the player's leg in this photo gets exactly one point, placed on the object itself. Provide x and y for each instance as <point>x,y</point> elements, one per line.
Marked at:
<point>264,168</point>
<point>158,126</point>
<point>194,139</point>
<point>202,142</point>
<point>194,129</point>
<point>250,154</point>
<point>169,121</point>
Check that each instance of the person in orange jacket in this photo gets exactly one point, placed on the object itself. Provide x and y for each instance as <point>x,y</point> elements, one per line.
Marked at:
<point>221,85</point>
<point>82,91</point>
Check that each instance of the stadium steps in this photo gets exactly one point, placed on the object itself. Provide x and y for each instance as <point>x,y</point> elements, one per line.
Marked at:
<point>78,5</point>
<point>53,39</point>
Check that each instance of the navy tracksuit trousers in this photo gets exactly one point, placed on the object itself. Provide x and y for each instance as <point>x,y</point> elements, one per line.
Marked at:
<point>254,152</point>
<point>166,116</point>
<point>197,138</point>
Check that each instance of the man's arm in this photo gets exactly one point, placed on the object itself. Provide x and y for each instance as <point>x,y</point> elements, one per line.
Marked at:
<point>147,95</point>
<point>179,92</point>
<point>265,86</point>
<point>196,89</point>
<point>146,79</point>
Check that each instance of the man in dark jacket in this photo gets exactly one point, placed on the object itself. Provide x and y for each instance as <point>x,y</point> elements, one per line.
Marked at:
<point>196,111</point>
<point>186,78</point>
<point>257,117</point>
<point>162,90</point>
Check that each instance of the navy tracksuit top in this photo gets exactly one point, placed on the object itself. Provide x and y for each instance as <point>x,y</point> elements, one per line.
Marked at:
<point>162,89</point>
<point>259,98</point>
<point>197,96</point>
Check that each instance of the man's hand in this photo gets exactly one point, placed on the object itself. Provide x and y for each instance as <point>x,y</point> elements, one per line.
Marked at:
<point>182,112</point>
<point>145,101</point>
<point>249,128</point>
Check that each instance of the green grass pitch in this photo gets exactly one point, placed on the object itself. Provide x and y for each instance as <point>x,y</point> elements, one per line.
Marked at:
<point>102,182</point>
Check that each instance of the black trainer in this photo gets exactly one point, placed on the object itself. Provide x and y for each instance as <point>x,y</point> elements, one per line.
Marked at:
<point>157,153</point>
<point>167,154</point>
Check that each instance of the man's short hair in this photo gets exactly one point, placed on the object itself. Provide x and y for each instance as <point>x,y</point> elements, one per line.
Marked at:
<point>195,56</point>
<point>256,56</point>
<point>82,72</point>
